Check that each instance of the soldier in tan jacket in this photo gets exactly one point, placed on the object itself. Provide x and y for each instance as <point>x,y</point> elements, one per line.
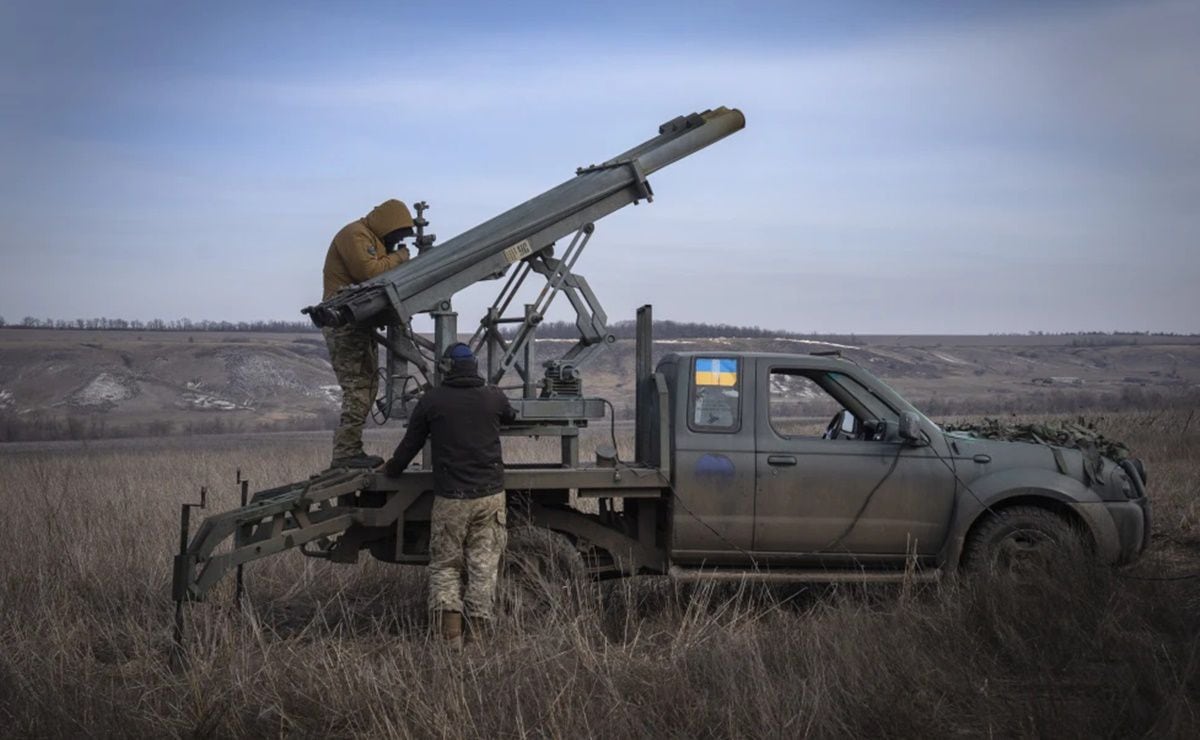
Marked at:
<point>360,251</point>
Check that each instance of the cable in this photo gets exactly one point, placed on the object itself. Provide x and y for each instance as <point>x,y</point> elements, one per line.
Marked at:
<point>953,472</point>
<point>706,525</point>
<point>866,502</point>
<point>754,561</point>
<point>381,416</point>
<point>378,415</point>
<point>833,543</point>
<point>612,412</point>
<point>612,430</point>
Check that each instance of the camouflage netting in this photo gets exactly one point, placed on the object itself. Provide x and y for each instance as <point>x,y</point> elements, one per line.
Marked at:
<point>1081,435</point>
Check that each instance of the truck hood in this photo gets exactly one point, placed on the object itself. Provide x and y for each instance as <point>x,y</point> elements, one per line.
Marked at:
<point>1081,458</point>
<point>1013,453</point>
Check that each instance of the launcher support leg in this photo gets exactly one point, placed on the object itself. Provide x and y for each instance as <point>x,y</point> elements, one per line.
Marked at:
<point>182,562</point>
<point>445,334</point>
<point>532,318</point>
<point>239,584</point>
<point>570,448</point>
<point>177,655</point>
<point>494,351</point>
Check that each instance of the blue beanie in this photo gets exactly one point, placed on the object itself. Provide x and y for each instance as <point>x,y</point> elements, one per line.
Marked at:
<point>459,352</point>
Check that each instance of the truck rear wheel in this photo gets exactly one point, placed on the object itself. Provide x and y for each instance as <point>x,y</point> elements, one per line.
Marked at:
<point>541,570</point>
<point>1020,541</point>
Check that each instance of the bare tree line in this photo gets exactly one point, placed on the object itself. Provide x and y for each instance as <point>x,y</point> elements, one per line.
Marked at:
<point>103,323</point>
<point>550,330</point>
<point>665,329</point>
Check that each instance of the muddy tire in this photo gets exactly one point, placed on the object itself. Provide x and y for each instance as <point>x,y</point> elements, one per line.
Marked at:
<point>541,570</point>
<point>1021,541</point>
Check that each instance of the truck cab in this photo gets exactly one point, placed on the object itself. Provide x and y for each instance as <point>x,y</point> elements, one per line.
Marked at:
<point>798,461</point>
<point>811,463</point>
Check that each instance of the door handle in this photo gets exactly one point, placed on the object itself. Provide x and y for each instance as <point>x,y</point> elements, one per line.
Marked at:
<point>981,458</point>
<point>781,459</point>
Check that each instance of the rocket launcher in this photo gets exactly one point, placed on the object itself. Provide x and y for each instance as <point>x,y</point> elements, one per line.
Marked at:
<point>437,274</point>
<point>525,234</point>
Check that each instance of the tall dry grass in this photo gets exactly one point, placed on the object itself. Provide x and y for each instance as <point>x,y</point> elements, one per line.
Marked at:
<point>87,533</point>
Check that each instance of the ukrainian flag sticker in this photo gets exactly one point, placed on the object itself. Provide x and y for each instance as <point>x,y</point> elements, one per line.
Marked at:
<point>716,371</point>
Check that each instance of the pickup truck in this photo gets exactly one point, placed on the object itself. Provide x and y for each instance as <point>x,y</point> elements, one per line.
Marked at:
<point>877,486</point>
<point>768,466</point>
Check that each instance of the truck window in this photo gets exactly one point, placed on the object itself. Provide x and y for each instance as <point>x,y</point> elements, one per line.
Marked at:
<point>799,407</point>
<point>716,395</point>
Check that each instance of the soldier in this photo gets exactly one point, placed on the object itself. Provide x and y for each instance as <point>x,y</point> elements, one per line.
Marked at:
<point>361,250</point>
<point>463,417</point>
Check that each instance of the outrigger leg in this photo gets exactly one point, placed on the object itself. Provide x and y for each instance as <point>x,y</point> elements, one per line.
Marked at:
<point>181,594</point>
<point>310,515</point>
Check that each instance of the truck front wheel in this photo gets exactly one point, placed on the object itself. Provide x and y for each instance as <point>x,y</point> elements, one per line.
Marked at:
<point>1021,541</point>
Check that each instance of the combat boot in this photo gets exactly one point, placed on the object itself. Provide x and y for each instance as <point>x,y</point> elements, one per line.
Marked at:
<point>361,460</point>
<point>451,624</point>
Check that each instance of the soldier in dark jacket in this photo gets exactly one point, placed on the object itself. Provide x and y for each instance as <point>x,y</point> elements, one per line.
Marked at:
<point>360,251</point>
<point>463,417</point>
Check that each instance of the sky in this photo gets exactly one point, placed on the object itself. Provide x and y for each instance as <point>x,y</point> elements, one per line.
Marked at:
<point>906,168</point>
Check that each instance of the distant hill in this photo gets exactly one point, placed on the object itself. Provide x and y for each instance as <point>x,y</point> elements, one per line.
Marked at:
<point>80,383</point>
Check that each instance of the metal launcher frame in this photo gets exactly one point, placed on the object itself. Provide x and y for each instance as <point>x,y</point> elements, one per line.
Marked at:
<point>338,513</point>
<point>552,404</point>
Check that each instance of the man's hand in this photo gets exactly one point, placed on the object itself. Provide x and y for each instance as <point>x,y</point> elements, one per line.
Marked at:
<point>392,468</point>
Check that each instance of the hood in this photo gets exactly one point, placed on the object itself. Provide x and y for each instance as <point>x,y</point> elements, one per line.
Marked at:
<point>1080,435</point>
<point>1081,462</point>
<point>463,374</point>
<point>1016,453</point>
<point>387,217</point>
<point>1082,440</point>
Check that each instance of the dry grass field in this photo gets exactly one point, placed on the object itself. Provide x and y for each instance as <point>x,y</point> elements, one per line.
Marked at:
<point>88,529</point>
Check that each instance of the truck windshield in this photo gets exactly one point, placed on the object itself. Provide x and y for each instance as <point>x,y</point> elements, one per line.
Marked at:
<point>904,405</point>
<point>879,408</point>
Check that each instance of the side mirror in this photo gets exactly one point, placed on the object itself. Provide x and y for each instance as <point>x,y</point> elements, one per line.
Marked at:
<point>910,428</point>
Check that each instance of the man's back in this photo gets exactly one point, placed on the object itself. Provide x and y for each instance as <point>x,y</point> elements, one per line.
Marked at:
<point>463,417</point>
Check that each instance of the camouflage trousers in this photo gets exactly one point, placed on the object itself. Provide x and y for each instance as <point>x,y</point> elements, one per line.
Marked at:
<point>355,360</point>
<point>467,538</point>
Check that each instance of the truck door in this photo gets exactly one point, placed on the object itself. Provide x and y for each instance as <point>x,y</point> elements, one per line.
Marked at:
<point>830,489</point>
<point>714,461</point>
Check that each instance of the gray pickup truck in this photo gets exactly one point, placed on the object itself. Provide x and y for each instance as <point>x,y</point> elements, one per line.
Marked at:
<point>811,463</point>
<point>768,466</point>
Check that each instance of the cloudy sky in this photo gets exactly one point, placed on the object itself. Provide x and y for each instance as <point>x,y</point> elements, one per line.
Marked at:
<point>906,167</point>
